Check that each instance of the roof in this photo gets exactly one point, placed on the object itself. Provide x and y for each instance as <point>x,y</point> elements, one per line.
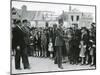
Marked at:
<point>34,15</point>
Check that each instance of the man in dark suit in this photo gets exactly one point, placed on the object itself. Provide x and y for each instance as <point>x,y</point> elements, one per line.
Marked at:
<point>19,46</point>
<point>53,39</point>
<point>59,43</point>
<point>76,41</point>
<point>47,36</point>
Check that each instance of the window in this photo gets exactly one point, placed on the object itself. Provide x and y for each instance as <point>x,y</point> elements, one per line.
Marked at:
<point>77,18</point>
<point>72,17</point>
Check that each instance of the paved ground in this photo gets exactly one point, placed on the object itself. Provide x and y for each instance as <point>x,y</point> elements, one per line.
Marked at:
<point>45,64</point>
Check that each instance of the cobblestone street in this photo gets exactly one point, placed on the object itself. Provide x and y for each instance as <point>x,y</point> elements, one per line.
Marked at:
<point>38,64</point>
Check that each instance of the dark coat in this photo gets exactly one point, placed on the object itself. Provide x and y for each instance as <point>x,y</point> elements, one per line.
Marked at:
<point>85,38</point>
<point>18,37</point>
<point>37,41</point>
<point>77,35</point>
<point>54,37</point>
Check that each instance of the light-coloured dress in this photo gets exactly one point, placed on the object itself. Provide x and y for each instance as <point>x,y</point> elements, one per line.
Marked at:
<point>82,50</point>
<point>50,48</point>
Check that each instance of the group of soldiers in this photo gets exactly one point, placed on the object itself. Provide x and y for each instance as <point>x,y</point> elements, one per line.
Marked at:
<point>53,42</point>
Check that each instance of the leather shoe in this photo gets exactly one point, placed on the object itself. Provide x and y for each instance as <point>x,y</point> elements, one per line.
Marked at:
<point>18,68</point>
<point>61,67</point>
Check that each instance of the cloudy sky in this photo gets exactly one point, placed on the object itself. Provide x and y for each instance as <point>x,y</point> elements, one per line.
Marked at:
<point>57,8</point>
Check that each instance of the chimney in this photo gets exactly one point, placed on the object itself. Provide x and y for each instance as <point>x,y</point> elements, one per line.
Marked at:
<point>70,8</point>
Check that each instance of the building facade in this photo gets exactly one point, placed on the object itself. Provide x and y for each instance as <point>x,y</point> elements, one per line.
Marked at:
<point>39,18</point>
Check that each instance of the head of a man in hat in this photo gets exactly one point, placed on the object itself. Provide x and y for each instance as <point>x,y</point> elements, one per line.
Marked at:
<point>60,22</point>
<point>93,25</point>
<point>75,26</point>
<point>25,22</point>
<point>18,22</point>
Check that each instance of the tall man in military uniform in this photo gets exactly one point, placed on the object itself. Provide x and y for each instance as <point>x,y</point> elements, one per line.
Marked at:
<point>59,43</point>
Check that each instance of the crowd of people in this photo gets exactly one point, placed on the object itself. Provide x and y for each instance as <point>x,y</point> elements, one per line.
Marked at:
<point>72,44</point>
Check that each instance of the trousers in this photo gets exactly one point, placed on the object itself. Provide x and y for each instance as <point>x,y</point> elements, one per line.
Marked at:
<point>22,53</point>
<point>58,58</point>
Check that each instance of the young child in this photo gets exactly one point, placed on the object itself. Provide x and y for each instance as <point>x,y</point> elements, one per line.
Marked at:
<point>82,47</point>
<point>50,47</point>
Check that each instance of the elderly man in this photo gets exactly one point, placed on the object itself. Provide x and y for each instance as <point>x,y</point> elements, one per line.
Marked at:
<point>19,45</point>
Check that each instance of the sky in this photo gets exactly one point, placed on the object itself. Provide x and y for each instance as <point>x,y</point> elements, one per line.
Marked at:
<point>57,8</point>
